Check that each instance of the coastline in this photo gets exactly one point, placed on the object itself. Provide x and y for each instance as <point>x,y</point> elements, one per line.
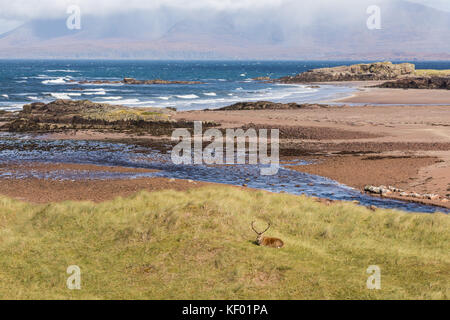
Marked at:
<point>406,136</point>
<point>348,141</point>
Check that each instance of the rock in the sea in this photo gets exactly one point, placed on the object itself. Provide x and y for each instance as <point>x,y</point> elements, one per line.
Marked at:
<point>156,81</point>
<point>134,81</point>
<point>358,72</point>
<point>266,105</point>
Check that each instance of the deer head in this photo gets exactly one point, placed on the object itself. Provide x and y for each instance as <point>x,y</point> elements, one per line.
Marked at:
<point>260,237</point>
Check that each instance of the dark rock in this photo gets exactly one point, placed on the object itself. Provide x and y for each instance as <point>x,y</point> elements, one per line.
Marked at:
<point>266,105</point>
<point>419,83</point>
<point>134,81</point>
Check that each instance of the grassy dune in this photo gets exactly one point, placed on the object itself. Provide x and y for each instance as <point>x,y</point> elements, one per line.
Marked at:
<point>432,73</point>
<point>199,245</point>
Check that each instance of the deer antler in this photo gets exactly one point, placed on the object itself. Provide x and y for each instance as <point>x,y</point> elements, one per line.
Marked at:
<point>268,227</point>
<point>253,227</point>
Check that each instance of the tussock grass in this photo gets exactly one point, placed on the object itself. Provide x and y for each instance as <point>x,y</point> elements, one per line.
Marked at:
<point>199,245</point>
<point>127,114</point>
<point>432,73</point>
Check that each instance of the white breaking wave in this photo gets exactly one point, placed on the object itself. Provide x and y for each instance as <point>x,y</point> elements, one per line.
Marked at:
<point>187,96</point>
<point>5,96</point>
<point>62,70</point>
<point>55,81</point>
<point>113,98</point>
<point>99,92</point>
<point>57,95</point>
<point>164,98</point>
<point>14,107</point>
<point>33,98</point>
<point>210,94</point>
<point>130,102</point>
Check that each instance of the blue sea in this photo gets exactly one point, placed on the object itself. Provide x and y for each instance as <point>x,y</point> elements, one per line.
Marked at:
<point>223,82</point>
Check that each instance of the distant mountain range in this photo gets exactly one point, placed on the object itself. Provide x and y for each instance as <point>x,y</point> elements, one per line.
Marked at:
<point>409,31</point>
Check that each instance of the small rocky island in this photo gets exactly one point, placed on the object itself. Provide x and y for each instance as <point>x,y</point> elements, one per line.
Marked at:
<point>357,72</point>
<point>132,81</point>
<point>401,76</point>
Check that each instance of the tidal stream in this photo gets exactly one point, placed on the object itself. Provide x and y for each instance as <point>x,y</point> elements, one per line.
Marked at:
<point>28,149</point>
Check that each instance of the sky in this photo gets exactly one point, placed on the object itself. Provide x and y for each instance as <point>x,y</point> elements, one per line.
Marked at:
<point>14,13</point>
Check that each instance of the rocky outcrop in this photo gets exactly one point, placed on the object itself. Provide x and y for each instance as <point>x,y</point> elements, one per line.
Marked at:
<point>63,115</point>
<point>60,108</point>
<point>266,105</point>
<point>419,83</point>
<point>134,81</point>
<point>358,72</point>
<point>157,81</point>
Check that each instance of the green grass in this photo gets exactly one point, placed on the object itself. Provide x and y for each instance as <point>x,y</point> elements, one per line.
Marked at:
<point>199,245</point>
<point>431,72</point>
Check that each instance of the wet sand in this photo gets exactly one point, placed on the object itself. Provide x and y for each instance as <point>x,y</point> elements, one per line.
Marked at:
<point>399,96</point>
<point>24,167</point>
<point>46,191</point>
<point>359,171</point>
<point>403,172</point>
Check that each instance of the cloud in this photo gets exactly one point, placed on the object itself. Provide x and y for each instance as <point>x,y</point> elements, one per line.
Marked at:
<point>437,4</point>
<point>45,9</point>
<point>283,15</point>
<point>31,9</point>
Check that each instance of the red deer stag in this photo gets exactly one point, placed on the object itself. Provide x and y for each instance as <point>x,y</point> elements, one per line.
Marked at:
<point>267,241</point>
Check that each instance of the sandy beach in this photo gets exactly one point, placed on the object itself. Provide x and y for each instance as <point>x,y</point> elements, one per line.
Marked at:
<point>406,146</point>
<point>37,190</point>
<point>398,96</point>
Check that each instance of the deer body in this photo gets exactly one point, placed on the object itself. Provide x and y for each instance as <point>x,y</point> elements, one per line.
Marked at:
<point>267,241</point>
